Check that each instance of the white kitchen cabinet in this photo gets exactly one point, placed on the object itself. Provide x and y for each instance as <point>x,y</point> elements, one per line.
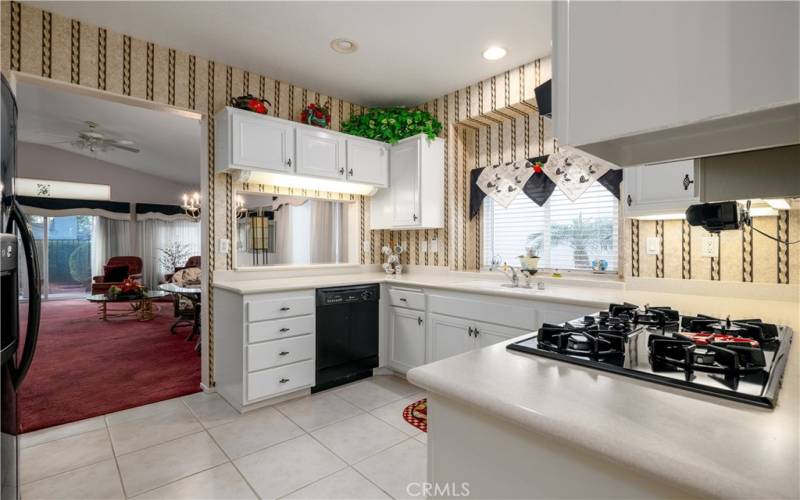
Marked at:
<point>486,334</point>
<point>661,189</point>
<point>268,347</point>
<point>415,197</point>
<point>407,338</point>
<point>246,140</point>
<point>449,336</point>
<point>321,153</point>
<point>643,105</point>
<point>367,162</point>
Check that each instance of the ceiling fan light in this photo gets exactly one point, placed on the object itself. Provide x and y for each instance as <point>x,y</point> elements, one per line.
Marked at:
<point>343,45</point>
<point>494,53</point>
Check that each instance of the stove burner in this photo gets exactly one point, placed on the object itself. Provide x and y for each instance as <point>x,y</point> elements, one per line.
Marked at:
<point>732,360</point>
<point>764,333</point>
<point>619,309</point>
<point>662,317</point>
<point>587,341</point>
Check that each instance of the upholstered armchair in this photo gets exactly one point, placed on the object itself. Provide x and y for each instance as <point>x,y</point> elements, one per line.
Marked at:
<point>193,261</point>
<point>101,283</point>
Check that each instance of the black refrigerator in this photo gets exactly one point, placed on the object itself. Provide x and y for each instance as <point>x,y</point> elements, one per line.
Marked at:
<point>19,327</point>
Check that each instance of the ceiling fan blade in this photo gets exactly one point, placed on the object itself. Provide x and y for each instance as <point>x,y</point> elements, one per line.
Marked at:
<point>122,146</point>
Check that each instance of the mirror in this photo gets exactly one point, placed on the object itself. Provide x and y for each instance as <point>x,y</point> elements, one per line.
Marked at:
<point>291,230</point>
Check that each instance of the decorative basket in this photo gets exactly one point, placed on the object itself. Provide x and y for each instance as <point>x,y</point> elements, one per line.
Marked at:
<point>251,103</point>
<point>316,115</point>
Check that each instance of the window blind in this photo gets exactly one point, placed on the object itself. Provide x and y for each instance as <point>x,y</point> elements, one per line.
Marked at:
<point>565,234</point>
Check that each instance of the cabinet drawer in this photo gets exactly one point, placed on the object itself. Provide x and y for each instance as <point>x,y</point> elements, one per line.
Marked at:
<point>279,307</point>
<point>407,298</point>
<point>279,352</point>
<point>279,328</point>
<point>281,379</point>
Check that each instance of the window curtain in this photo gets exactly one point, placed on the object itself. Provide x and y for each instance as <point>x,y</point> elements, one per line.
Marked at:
<point>328,233</point>
<point>153,235</point>
<point>110,238</point>
<point>283,235</point>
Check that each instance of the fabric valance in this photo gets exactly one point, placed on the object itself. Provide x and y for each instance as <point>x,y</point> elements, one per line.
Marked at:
<point>59,207</point>
<point>145,211</point>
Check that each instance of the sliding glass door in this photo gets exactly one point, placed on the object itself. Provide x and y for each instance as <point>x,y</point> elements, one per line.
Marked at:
<point>65,254</point>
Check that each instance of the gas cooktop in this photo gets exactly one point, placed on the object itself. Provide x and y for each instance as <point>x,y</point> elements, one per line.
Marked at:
<point>742,360</point>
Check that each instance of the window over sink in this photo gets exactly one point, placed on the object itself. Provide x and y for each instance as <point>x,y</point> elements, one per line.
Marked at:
<point>566,235</point>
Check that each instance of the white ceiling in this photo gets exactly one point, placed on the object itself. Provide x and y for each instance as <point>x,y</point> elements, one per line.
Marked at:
<point>409,52</point>
<point>169,143</point>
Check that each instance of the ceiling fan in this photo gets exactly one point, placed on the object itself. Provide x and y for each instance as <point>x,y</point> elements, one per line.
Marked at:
<point>95,141</point>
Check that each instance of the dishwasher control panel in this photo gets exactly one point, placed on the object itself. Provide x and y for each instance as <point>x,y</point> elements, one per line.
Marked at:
<point>347,295</point>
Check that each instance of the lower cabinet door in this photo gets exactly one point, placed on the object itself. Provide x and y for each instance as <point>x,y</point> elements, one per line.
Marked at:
<point>450,336</point>
<point>407,338</point>
<point>487,334</point>
<point>278,380</point>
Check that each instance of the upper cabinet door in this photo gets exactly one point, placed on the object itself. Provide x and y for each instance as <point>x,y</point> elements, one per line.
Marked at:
<point>661,189</point>
<point>404,181</point>
<point>367,162</point>
<point>320,153</point>
<point>262,143</point>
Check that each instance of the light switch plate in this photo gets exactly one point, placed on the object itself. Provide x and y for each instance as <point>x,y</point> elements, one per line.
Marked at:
<point>653,245</point>
<point>710,246</point>
<point>434,247</point>
<point>423,246</point>
<point>224,246</point>
<point>365,245</point>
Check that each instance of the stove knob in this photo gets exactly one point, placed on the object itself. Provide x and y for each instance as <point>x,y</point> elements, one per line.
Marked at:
<point>366,295</point>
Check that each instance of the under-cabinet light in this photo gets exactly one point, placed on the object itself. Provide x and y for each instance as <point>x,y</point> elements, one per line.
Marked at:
<point>307,183</point>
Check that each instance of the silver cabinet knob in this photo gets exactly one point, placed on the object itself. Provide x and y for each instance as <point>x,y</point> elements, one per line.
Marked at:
<point>414,216</point>
<point>687,182</point>
<point>350,172</point>
<point>341,171</point>
<point>285,308</point>
<point>283,380</point>
<point>283,353</point>
<point>284,329</point>
<point>289,162</point>
<point>419,320</point>
<point>469,331</point>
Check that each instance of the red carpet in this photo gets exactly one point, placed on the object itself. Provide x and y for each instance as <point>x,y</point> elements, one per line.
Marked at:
<point>86,367</point>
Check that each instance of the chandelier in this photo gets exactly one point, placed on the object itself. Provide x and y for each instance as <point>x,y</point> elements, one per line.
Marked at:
<point>191,205</point>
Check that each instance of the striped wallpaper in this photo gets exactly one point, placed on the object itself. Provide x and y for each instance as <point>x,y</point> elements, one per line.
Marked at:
<point>744,255</point>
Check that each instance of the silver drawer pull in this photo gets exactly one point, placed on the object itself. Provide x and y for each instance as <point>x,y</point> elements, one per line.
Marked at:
<point>284,329</point>
<point>283,380</point>
<point>285,308</point>
<point>403,299</point>
<point>283,353</point>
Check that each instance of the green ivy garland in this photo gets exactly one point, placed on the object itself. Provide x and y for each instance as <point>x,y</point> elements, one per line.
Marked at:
<point>392,124</point>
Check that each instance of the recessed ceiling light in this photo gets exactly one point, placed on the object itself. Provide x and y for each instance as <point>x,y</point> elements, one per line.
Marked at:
<point>343,45</point>
<point>494,53</point>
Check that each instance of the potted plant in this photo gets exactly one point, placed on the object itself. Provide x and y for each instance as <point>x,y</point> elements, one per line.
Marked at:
<point>392,124</point>
<point>530,260</point>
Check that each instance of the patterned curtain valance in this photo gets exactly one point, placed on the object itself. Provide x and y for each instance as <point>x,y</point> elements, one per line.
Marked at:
<point>539,186</point>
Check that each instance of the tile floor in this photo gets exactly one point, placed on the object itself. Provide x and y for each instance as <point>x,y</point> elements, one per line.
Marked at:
<point>349,442</point>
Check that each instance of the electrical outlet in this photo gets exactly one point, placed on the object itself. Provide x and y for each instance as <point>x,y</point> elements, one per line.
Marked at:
<point>224,246</point>
<point>653,245</point>
<point>710,246</point>
<point>434,245</point>
<point>423,246</point>
<point>365,245</point>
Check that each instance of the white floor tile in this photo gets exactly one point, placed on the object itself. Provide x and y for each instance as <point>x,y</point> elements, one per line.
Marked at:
<point>152,467</point>
<point>61,431</point>
<point>98,481</point>
<point>394,469</point>
<point>54,457</point>
<point>168,423</point>
<point>142,411</point>
<point>344,484</point>
<point>222,482</point>
<point>358,437</point>
<point>396,384</point>
<point>285,467</point>
<point>254,431</point>
<point>368,395</point>
<point>393,413</point>
<point>211,409</point>
<point>319,410</point>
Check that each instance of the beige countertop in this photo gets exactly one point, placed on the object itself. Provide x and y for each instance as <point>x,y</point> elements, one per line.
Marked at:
<point>582,292</point>
<point>714,447</point>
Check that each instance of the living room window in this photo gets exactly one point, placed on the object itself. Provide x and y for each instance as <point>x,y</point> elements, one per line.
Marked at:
<point>565,234</point>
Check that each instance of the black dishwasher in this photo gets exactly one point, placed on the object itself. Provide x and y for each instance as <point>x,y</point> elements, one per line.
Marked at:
<point>347,334</point>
